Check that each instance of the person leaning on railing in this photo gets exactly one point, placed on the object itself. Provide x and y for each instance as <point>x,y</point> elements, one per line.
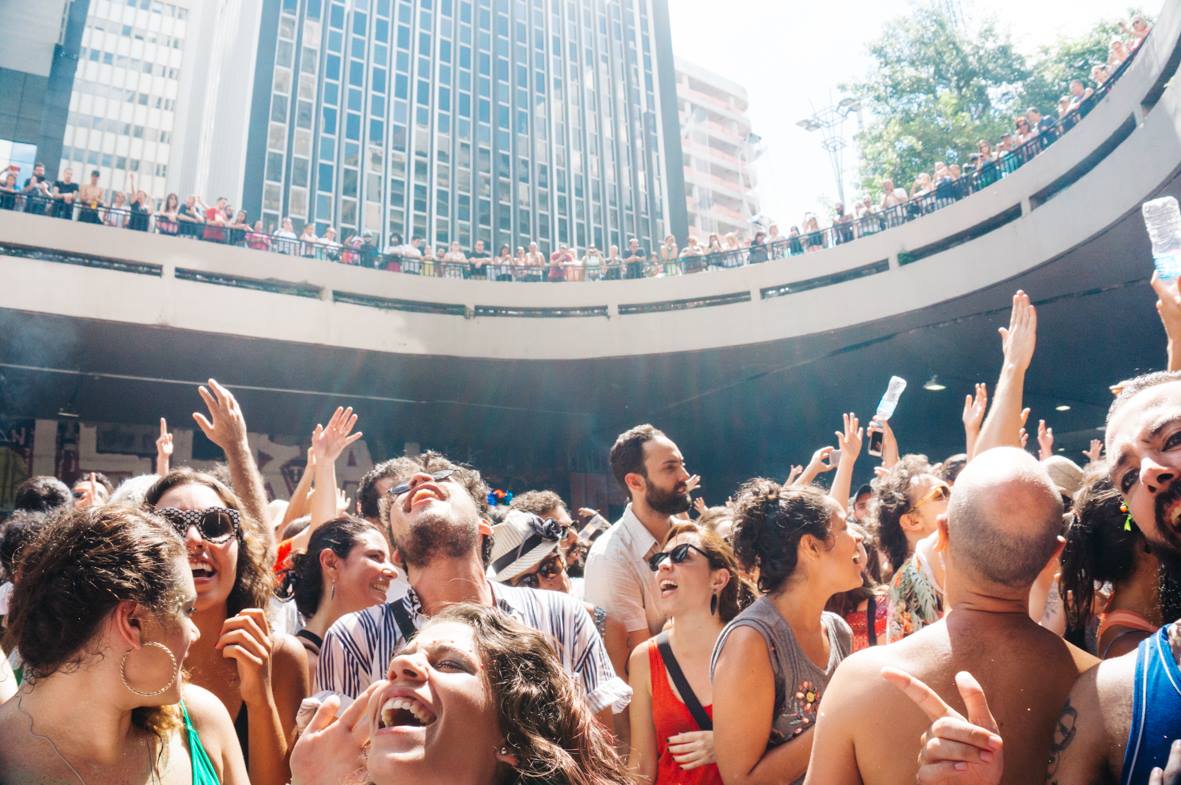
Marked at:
<point>8,191</point>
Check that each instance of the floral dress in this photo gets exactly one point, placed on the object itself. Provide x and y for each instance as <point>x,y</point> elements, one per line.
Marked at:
<point>914,601</point>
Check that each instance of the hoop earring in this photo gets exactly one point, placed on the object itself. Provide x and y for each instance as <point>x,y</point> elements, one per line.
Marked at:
<point>154,693</point>
<point>713,604</point>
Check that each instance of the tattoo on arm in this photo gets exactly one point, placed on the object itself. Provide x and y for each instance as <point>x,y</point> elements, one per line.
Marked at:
<point>1065,730</point>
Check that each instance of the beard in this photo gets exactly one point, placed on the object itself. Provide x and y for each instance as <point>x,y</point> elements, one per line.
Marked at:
<point>1169,546</point>
<point>672,502</point>
<point>436,536</point>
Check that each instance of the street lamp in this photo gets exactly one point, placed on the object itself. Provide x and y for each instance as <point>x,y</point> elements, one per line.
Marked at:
<point>830,122</point>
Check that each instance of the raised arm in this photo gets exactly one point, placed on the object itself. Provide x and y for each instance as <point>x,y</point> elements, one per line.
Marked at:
<point>817,466</point>
<point>1168,305</point>
<point>849,443</point>
<point>1003,424</point>
<point>301,497</point>
<point>163,449</point>
<point>975,406</point>
<point>226,427</point>
<point>327,445</point>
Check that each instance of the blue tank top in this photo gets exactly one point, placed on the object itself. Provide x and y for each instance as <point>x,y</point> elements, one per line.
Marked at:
<point>1156,709</point>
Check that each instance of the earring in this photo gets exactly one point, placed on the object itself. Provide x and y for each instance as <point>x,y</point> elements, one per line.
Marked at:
<point>502,750</point>
<point>713,604</point>
<point>332,596</point>
<point>162,690</point>
<point>1128,522</point>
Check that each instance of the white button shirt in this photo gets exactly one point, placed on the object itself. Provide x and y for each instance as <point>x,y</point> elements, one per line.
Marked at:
<point>617,575</point>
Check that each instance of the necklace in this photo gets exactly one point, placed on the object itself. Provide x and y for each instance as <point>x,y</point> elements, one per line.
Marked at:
<point>33,732</point>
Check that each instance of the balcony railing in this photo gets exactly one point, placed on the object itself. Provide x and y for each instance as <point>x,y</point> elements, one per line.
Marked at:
<point>592,268</point>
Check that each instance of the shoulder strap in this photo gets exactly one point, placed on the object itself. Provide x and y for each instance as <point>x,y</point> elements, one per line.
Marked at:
<point>402,619</point>
<point>871,617</point>
<point>687,695</point>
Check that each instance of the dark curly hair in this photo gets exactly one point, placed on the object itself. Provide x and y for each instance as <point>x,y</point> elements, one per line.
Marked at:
<point>1098,548</point>
<point>42,494</point>
<point>15,533</point>
<point>541,710</point>
<point>253,581</point>
<point>737,593</point>
<point>368,499</point>
<point>305,580</point>
<point>770,520</point>
<point>893,501</point>
<point>74,573</point>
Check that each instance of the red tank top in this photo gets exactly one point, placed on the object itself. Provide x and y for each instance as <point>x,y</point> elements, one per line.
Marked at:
<point>671,716</point>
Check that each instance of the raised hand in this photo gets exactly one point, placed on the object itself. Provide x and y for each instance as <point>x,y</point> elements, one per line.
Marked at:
<point>246,639</point>
<point>955,749</point>
<point>1022,434</point>
<point>794,474</point>
<point>1045,440</point>
<point>330,751</point>
<point>890,453</point>
<point>163,449</point>
<point>1095,453</point>
<point>1019,339</point>
<point>700,505</point>
<point>329,441</point>
<point>693,483</point>
<point>692,749</point>
<point>849,441</point>
<point>342,502</point>
<point>225,427</point>
<point>1168,307</point>
<point>975,406</point>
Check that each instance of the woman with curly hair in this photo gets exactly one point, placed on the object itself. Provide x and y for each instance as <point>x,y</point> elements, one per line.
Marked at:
<point>910,499</point>
<point>1102,547</point>
<point>104,697</point>
<point>773,662</point>
<point>259,676</point>
<point>476,698</point>
<point>672,739</point>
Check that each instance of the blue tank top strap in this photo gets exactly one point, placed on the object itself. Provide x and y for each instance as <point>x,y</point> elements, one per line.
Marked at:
<point>203,771</point>
<point>1156,709</point>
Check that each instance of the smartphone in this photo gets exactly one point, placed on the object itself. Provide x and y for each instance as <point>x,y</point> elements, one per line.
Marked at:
<point>875,443</point>
<point>834,457</point>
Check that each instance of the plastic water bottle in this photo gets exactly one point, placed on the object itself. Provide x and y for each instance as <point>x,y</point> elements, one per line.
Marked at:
<point>1163,220</point>
<point>890,399</point>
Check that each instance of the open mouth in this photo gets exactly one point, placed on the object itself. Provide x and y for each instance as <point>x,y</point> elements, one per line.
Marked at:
<point>424,494</point>
<point>404,713</point>
<point>667,587</point>
<point>202,570</point>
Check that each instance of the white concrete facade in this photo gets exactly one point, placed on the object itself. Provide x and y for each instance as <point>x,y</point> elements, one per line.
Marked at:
<point>719,152</point>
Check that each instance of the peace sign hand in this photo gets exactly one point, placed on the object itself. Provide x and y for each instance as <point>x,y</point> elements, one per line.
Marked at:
<point>954,749</point>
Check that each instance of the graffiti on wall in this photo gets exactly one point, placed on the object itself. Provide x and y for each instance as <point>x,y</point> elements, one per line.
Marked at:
<point>70,449</point>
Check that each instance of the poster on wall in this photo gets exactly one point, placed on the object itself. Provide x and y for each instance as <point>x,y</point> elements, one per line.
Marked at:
<point>16,457</point>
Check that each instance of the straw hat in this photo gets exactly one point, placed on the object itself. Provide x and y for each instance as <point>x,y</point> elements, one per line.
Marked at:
<point>522,542</point>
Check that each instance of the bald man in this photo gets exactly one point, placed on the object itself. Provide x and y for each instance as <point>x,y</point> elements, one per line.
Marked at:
<point>1000,530</point>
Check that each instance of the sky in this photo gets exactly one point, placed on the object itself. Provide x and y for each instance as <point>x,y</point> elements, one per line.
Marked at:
<point>791,56</point>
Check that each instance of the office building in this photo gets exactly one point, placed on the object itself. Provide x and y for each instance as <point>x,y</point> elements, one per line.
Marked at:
<point>37,66</point>
<point>501,120</point>
<point>719,150</point>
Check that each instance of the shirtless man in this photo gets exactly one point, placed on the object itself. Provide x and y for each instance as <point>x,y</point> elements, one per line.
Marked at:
<point>1000,529</point>
<point>1120,720</point>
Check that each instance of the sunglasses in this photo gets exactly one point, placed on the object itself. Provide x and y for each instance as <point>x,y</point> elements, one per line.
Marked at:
<point>438,476</point>
<point>552,566</point>
<point>941,492</point>
<point>677,555</point>
<point>215,524</point>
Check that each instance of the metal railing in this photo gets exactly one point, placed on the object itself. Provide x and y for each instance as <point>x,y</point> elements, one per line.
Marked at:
<point>354,251</point>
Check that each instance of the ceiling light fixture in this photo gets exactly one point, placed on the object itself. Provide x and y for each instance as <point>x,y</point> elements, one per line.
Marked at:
<point>933,385</point>
<point>1062,407</point>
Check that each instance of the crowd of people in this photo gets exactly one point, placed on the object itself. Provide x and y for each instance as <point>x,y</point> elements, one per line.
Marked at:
<point>984,618</point>
<point>1033,131</point>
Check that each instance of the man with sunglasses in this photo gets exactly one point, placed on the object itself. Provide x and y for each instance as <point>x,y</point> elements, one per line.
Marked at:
<point>435,514</point>
<point>651,470</point>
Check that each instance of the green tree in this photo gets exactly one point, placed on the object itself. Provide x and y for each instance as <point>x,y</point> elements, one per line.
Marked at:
<point>932,92</point>
<point>1071,58</point>
<point>935,89</point>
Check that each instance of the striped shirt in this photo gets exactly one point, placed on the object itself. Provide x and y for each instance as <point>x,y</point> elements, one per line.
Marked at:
<point>358,648</point>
